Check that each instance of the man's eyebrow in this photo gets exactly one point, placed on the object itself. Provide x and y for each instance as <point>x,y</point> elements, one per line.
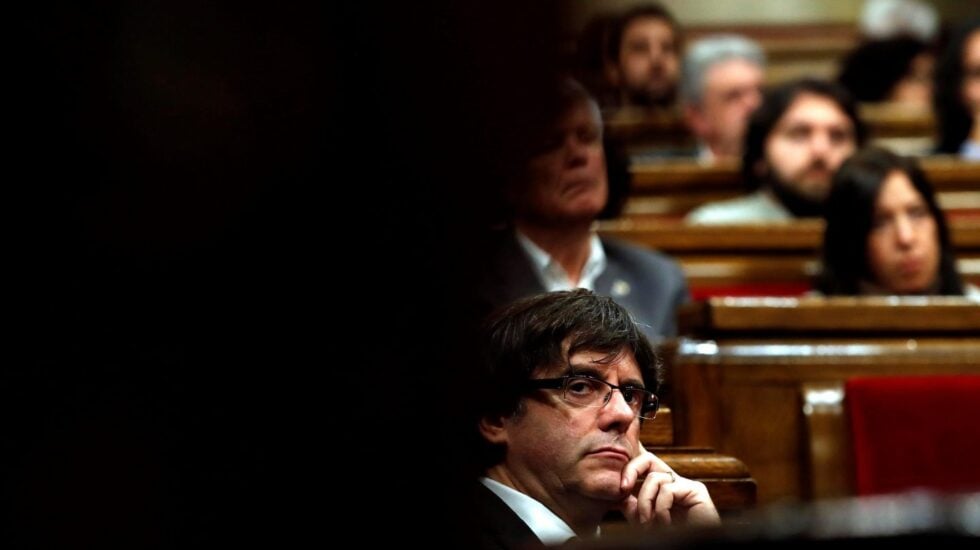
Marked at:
<point>587,369</point>
<point>591,371</point>
<point>633,383</point>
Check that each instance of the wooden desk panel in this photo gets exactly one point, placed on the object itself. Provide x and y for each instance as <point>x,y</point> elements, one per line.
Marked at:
<point>740,385</point>
<point>851,317</point>
<point>674,187</point>
<point>752,408</point>
<point>805,235</point>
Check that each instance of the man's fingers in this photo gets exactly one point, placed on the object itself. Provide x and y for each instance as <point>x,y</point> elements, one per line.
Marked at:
<point>650,492</point>
<point>630,509</point>
<point>664,502</point>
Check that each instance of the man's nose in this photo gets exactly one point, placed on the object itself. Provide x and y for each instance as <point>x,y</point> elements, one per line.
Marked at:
<point>820,144</point>
<point>655,54</point>
<point>617,410</point>
<point>752,100</point>
<point>576,151</point>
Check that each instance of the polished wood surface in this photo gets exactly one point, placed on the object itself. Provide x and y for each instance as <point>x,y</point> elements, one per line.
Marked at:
<point>804,235</point>
<point>851,316</point>
<point>944,173</point>
<point>726,477</point>
<point>660,430</point>
<point>758,384</point>
<point>644,131</point>
<point>793,50</point>
<point>759,254</point>
<point>670,189</point>
<point>828,448</point>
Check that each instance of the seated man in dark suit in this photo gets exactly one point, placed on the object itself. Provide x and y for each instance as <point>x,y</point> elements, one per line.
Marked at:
<point>561,188</point>
<point>567,379</point>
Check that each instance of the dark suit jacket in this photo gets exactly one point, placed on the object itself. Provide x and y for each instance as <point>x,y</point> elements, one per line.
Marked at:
<point>648,284</point>
<point>499,527</point>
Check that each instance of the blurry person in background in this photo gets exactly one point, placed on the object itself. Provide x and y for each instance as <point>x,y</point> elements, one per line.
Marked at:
<point>721,84</point>
<point>885,233</point>
<point>560,187</point>
<point>794,143</point>
<point>897,70</point>
<point>887,19</point>
<point>644,57</point>
<point>957,93</point>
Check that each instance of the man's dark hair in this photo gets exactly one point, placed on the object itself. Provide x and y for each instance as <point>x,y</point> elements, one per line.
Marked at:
<point>529,335</point>
<point>953,119</point>
<point>872,70</point>
<point>653,11</point>
<point>850,215</point>
<point>775,103</point>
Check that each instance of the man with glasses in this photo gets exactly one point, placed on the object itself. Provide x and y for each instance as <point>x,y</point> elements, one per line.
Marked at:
<point>569,378</point>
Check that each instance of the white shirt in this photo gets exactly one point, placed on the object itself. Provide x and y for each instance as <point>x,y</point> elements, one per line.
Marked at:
<point>970,150</point>
<point>553,276</point>
<point>758,207</point>
<point>548,527</point>
<point>705,155</point>
<point>971,292</point>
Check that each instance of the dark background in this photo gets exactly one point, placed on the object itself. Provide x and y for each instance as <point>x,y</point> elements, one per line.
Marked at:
<point>236,243</point>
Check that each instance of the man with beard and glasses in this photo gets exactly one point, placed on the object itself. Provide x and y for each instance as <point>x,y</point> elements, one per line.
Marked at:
<point>566,379</point>
<point>795,142</point>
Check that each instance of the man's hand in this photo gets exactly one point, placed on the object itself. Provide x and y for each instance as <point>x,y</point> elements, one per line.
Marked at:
<point>662,496</point>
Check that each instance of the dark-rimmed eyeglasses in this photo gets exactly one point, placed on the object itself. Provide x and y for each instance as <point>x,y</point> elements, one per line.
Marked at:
<point>588,391</point>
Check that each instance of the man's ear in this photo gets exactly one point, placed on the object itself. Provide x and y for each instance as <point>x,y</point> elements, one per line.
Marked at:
<point>494,429</point>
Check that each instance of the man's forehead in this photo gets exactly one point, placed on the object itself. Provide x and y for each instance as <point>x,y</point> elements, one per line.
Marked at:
<point>722,71</point>
<point>808,107</point>
<point>646,23</point>
<point>582,113</point>
<point>622,360</point>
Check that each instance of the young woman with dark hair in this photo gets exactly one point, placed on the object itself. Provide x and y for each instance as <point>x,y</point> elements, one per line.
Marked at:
<point>885,232</point>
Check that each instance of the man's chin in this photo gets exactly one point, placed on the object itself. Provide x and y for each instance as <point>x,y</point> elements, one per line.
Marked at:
<point>605,486</point>
<point>817,186</point>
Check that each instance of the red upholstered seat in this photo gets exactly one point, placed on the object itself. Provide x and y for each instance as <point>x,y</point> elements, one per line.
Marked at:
<point>915,432</point>
<point>784,289</point>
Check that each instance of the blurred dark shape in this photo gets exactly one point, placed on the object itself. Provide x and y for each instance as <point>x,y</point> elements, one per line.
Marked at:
<point>914,517</point>
<point>618,170</point>
<point>206,195</point>
<point>953,116</point>
<point>887,70</point>
<point>591,60</point>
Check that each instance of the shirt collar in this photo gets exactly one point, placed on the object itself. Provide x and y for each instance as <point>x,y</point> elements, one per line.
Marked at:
<point>553,276</point>
<point>547,526</point>
<point>705,154</point>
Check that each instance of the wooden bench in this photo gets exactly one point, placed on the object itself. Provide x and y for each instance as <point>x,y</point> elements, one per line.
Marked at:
<point>670,189</point>
<point>761,259</point>
<point>912,130</point>
<point>727,479</point>
<point>795,49</point>
<point>750,375</point>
